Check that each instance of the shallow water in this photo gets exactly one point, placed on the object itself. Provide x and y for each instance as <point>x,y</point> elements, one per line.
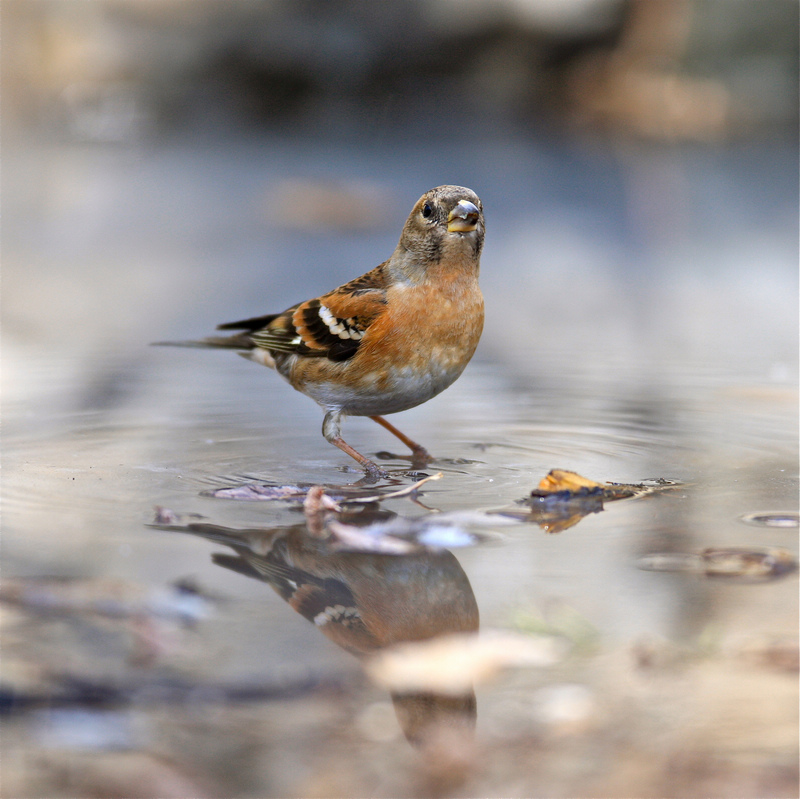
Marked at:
<point>641,323</point>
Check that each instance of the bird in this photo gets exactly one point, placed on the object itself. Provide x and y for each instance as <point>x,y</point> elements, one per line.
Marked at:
<point>390,339</point>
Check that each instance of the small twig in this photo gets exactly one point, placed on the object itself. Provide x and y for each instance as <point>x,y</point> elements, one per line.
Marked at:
<point>314,506</point>
<point>402,492</point>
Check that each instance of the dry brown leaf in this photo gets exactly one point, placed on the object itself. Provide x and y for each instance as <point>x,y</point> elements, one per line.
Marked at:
<point>564,480</point>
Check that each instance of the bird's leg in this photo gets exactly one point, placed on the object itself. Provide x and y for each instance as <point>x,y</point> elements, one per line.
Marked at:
<point>418,453</point>
<point>333,434</point>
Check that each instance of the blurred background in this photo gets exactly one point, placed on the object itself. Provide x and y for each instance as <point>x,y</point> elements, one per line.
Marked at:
<point>670,70</point>
<point>172,164</point>
<point>162,149</point>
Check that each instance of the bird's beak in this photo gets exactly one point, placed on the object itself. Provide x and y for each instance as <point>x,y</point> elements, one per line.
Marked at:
<point>463,218</point>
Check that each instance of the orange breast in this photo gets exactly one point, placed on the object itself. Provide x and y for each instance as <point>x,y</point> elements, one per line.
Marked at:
<point>415,349</point>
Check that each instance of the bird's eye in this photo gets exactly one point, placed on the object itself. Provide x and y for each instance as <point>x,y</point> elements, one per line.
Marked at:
<point>427,210</point>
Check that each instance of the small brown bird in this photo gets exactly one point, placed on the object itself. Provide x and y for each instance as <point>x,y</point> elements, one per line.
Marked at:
<point>390,339</point>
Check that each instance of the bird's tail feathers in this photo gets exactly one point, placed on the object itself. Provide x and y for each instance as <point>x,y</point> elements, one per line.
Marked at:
<point>241,341</point>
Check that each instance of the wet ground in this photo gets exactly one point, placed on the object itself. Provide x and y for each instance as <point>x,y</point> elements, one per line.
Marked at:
<point>641,324</point>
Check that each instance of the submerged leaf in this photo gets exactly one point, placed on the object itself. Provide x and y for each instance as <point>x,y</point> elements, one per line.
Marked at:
<point>755,564</point>
<point>452,664</point>
<point>260,491</point>
<point>786,519</point>
<point>743,563</point>
<point>272,492</point>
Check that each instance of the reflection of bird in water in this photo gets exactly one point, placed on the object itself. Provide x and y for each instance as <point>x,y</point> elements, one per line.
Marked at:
<point>390,339</point>
<point>364,602</point>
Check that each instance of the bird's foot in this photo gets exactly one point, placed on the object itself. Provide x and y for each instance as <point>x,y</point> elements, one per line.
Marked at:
<point>420,457</point>
<point>372,472</point>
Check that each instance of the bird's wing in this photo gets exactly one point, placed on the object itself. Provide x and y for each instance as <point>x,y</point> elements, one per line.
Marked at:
<point>331,326</point>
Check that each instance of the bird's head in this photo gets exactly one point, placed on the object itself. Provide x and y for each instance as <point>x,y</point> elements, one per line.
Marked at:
<point>445,224</point>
